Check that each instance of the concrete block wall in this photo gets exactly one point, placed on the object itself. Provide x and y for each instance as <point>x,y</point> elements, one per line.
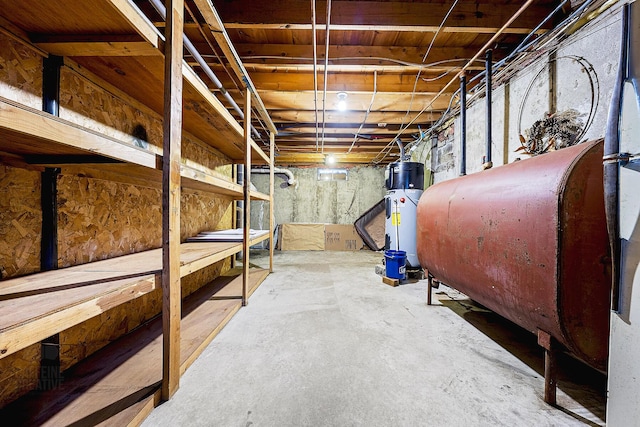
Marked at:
<point>332,202</point>
<point>586,66</point>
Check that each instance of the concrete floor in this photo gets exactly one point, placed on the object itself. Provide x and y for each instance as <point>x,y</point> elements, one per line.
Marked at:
<point>324,343</point>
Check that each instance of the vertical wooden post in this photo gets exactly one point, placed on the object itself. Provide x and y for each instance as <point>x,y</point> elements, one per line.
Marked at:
<point>172,133</point>
<point>272,144</point>
<point>247,197</point>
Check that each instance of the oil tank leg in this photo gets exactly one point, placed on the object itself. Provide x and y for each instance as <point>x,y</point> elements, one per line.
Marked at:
<point>429,288</point>
<point>550,366</point>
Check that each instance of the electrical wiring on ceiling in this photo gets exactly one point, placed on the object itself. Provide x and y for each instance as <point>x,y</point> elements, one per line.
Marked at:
<point>315,67</point>
<point>326,72</point>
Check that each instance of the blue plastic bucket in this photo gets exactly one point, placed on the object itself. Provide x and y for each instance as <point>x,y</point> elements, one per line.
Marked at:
<point>394,262</point>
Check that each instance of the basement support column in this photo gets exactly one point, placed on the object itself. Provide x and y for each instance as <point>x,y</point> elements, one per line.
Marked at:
<point>505,127</point>
<point>51,105</point>
<point>463,124</point>
<point>50,377</point>
<point>272,144</point>
<point>172,134</point>
<point>488,164</point>
<point>247,198</point>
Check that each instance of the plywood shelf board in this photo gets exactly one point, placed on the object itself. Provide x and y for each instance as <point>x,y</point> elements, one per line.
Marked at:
<point>256,195</point>
<point>37,306</point>
<point>199,180</point>
<point>26,320</point>
<point>123,378</point>
<point>259,239</point>
<point>32,132</point>
<point>126,266</point>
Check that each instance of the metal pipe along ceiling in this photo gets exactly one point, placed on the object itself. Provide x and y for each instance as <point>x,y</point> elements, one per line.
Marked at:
<point>160,8</point>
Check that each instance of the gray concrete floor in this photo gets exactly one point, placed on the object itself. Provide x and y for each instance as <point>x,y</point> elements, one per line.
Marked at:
<point>323,342</point>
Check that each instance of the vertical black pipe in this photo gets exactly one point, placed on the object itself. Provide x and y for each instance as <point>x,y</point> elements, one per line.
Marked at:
<point>489,89</point>
<point>463,124</point>
<point>611,157</point>
<point>50,376</point>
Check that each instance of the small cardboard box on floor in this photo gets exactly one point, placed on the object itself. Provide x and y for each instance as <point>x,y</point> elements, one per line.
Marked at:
<point>319,237</point>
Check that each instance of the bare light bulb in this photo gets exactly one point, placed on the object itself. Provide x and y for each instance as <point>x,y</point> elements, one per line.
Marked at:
<point>342,101</point>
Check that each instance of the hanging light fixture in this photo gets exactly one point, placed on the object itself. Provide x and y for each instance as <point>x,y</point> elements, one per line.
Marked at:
<point>342,101</point>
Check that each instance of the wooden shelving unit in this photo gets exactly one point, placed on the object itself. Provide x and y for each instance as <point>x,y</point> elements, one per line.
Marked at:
<point>114,41</point>
<point>120,381</point>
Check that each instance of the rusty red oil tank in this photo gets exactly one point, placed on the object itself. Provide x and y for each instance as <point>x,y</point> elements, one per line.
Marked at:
<point>528,240</point>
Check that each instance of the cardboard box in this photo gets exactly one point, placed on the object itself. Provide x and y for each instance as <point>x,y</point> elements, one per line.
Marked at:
<point>319,237</point>
<point>341,237</point>
<point>302,237</point>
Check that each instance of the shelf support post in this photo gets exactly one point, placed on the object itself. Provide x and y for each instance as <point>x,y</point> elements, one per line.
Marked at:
<point>50,376</point>
<point>247,198</point>
<point>272,143</point>
<point>172,133</point>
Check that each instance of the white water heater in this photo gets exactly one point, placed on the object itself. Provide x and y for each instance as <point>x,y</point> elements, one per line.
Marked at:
<point>404,182</point>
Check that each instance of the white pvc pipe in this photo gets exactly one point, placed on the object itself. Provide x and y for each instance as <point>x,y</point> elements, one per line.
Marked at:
<point>291,179</point>
<point>159,6</point>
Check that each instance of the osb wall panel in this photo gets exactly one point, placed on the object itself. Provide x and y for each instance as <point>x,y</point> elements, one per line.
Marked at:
<point>94,105</point>
<point>86,338</point>
<point>100,219</point>
<point>19,373</point>
<point>88,104</point>
<point>202,211</point>
<point>20,221</point>
<point>196,280</point>
<point>20,72</point>
<point>199,155</point>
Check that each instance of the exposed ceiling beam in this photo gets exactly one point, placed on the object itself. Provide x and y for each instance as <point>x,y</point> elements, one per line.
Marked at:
<point>380,28</point>
<point>361,27</point>
<point>356,101</point>
<point>352,82</point>
<point>338,128</point>
<point>346,54</point>
<point>389,117</point>
<point>294,67</point>
<point>486,16</point>
<point>315,158</point>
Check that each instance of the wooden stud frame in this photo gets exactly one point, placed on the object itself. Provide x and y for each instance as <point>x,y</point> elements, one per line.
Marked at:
<point>272,139</point>
<point>247,199</point>
<point>171,300</point>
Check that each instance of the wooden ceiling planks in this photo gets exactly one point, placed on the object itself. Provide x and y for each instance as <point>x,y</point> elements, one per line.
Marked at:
<point>376,51</point>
